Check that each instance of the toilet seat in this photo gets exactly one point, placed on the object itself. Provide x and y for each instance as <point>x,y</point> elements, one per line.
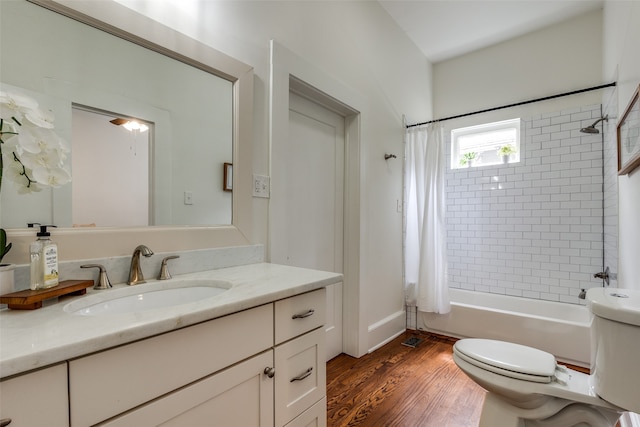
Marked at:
<point>511,360</point>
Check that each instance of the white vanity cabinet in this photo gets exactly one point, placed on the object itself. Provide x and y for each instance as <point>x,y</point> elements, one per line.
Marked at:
<point>37,398</point>
<point>257,368</point>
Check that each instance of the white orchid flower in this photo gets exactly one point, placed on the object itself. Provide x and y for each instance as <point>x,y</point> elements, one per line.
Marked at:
<point>34,154</point>
<point>37,140</point>
<point>51,177</point>
<point>40,118</point>
<point>8,132</point>
<point>33,188</point>
<point>45,159</point>
<point>61,152</point>
<point>14,106</point>
<point>18,173</point>
<point>13,171</point>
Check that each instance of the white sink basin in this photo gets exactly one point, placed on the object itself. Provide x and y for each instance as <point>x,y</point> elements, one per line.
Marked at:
<point>148,296</point>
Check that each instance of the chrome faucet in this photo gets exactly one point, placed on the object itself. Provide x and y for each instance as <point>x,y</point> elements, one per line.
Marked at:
<point>135,272</point>
<point>604,275</point>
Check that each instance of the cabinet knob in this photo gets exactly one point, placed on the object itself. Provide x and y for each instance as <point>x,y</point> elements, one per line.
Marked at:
<point>268,371</point>
<point>303,315</point>
<point>5,422</point>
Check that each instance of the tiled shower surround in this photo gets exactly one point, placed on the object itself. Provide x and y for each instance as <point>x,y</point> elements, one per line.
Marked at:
<point>535,228</point>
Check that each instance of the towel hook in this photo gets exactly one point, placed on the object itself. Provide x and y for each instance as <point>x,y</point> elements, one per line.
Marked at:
<point>389,156</point>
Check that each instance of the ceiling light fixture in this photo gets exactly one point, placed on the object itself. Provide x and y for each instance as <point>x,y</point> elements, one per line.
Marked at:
<point>130,125</point>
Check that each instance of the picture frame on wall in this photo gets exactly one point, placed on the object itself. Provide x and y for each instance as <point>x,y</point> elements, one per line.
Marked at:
<point>227,182</point>
<point>628,134</point>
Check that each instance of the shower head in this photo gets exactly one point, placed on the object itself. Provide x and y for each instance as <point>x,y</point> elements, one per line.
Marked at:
<point>592,128</point>
<point>589,129</point>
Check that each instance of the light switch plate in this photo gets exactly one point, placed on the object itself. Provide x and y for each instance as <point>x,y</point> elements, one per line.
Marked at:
<point>188,198</point>
<point>261,186</point>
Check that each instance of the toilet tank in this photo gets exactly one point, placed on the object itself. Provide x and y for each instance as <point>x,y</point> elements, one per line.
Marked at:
<point>615,345</point>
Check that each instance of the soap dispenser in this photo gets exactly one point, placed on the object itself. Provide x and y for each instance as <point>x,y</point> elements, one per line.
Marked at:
<point>44,260</point>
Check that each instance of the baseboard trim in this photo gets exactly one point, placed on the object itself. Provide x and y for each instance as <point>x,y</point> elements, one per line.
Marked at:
<point>386,330</point>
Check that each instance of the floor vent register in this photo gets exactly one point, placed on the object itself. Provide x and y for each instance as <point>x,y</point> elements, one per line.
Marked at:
<point>412,342</point>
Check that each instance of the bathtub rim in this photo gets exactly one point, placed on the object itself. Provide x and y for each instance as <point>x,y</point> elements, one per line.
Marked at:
<point>568,340</point>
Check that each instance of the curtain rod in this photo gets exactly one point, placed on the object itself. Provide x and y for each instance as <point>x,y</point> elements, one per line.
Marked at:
<point>515,105</point>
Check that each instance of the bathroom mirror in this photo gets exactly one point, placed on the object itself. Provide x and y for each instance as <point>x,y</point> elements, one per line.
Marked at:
<point>172,139</point>
<point>61,62</point>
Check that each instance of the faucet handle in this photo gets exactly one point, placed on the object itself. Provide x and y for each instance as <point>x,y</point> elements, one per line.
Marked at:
<point>164,269</point>
<point>103,279</point>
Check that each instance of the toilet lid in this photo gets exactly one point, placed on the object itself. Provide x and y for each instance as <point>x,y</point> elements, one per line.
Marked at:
<point>509,359</point>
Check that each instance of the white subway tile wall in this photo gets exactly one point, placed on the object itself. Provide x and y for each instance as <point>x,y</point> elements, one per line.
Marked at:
<point>532,229</point>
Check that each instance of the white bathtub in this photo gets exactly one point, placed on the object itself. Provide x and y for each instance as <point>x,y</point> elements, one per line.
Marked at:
<point>558,328</point>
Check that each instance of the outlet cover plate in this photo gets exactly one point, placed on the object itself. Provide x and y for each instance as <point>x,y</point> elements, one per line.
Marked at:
<point>261,186</point>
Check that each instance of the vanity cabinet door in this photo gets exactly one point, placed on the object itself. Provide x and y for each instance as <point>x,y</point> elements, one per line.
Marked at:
<point>300,375</point>
<point>38,398</point>
<point>241,395</point>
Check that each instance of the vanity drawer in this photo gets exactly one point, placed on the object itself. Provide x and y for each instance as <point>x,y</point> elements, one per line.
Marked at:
<point>301,373</point>
<point>108,383</point>
<point>316,416</point>
<point>296,315</point>
<point>38,398</point>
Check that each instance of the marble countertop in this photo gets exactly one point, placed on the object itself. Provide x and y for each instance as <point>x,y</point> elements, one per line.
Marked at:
<point>36,338</point>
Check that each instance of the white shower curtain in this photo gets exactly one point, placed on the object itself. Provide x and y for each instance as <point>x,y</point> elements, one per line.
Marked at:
<point>425,228</point>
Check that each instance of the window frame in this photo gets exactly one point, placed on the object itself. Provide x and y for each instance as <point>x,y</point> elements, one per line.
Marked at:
<point>456,153</point>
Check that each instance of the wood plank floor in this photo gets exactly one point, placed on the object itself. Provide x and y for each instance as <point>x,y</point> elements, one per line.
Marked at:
<point>398,385</point>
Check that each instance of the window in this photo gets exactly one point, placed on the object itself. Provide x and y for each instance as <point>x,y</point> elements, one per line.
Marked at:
<point>487,144</point>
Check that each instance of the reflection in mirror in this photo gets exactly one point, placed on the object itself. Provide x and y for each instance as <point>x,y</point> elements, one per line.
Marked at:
<point>110,170</point>
<point>192,112</point>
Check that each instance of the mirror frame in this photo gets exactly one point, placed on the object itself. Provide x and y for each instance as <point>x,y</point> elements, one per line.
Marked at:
<point>99,242</point>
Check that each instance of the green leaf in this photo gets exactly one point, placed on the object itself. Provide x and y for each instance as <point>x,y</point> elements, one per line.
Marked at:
<point>4,248</point>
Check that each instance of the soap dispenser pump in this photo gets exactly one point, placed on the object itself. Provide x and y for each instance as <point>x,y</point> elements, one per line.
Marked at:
<point>44,260</point>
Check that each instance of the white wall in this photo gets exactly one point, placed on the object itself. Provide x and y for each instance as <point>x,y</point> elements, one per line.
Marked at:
<point>557,59</point>
<point>111,172</point>
<point>622,63</point>
<point>358,45</point>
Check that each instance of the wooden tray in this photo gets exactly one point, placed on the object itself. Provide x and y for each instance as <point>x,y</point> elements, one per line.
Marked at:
<point>30,300</point>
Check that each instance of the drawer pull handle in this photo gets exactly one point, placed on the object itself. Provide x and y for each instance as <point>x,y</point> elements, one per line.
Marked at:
<point>303,315</point>
<point>270,371</point>
<point>302,376</point>
<point>5,422</point>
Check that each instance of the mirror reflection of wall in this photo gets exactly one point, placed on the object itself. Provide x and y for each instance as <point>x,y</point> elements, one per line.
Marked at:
<point>110,170</point>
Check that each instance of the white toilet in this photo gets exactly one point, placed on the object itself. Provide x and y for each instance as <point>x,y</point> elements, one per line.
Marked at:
<point>527,388</point>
